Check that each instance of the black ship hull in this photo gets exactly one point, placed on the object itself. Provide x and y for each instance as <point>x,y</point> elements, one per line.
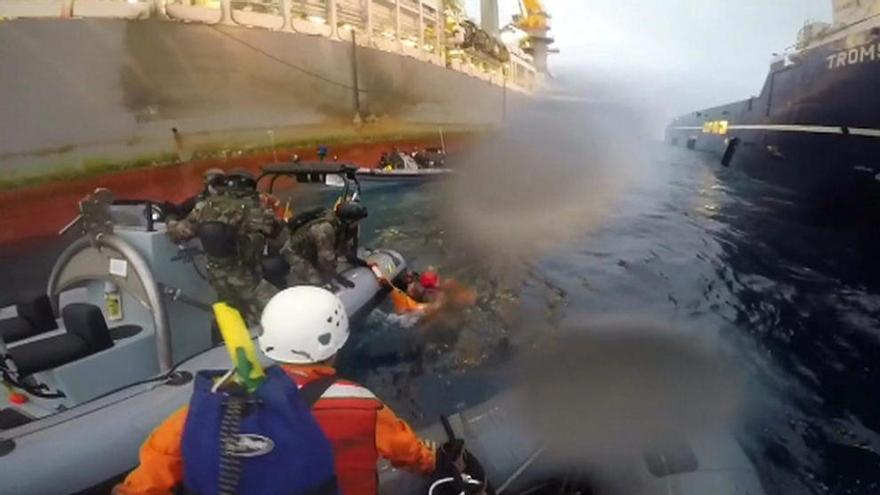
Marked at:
<point>814,129</point>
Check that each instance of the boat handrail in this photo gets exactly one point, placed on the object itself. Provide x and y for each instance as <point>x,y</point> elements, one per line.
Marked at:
<point>60,281</point>
<point>303,170</point>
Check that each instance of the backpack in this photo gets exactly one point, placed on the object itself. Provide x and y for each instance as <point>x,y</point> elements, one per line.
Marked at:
<point>263,443</point>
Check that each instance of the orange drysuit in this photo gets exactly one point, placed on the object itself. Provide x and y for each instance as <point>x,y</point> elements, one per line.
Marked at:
<point>359,426</point>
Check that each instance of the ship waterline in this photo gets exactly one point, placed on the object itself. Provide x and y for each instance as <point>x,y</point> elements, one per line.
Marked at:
<point>814,128</point>
<point>140,80</point>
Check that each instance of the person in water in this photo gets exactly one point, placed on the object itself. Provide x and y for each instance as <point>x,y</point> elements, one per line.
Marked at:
<point>233,227</point>
<point>303,329</point>
<point>425,293</point>
<point>314,249</point>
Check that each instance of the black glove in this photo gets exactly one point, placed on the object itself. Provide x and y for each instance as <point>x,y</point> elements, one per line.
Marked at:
<point>454,461</point>
<point>449,455</point>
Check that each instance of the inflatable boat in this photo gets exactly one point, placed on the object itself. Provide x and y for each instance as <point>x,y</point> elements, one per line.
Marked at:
<point>398,168</point>
<point>84,382</point>
<point>400,176</point>
<point>516,461</point>
<point>342,175</point>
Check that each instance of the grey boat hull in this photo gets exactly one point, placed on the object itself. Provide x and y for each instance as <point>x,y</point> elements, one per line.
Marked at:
<point>377,176</point>
<point>516,461</point>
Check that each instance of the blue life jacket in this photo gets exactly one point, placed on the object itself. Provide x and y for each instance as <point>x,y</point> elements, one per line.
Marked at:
<point>278,447</point>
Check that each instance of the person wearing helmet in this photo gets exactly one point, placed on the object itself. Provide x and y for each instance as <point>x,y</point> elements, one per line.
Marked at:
<point>233,227</point>
<point>314,249</point>
<point>323,151</point>
<point>424,287</point>
<point>241,182</point>
<point>430,296</point>
<point>214,182</point>
<point>303,330</point>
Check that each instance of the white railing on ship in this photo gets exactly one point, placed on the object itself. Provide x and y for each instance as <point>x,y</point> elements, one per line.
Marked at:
<point>410,27</point>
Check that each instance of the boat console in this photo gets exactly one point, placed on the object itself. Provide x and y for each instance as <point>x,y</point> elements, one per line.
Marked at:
<point>134,288</point>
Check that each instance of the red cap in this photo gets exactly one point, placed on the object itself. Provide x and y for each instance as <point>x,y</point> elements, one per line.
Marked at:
<point>17,399</point>
<point>430,279</point>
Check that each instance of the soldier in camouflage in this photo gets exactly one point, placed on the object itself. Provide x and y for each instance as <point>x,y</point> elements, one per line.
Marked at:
<point>214,180</point>
<point>233,227</point>
<point>314,249</point>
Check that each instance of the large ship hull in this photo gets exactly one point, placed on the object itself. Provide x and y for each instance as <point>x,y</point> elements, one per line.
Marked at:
<point>83,91</point>
<point>814,129</point>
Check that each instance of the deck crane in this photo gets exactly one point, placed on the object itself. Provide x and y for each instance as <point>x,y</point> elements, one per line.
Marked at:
<point>535,22</point>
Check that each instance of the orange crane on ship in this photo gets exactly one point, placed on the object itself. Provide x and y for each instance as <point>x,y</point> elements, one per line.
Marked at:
<point>535,22</point>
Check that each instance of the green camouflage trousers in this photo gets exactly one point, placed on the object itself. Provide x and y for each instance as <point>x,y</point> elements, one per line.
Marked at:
<point>242,288</point>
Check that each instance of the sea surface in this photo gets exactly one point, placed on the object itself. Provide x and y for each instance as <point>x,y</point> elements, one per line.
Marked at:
<point>792,300</point>
<point>704,251</point>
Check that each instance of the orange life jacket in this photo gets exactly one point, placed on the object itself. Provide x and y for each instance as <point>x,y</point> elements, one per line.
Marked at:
<point>347,415</point>
<point>403,303</point>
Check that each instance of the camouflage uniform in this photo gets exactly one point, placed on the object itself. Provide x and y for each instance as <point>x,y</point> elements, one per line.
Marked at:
<point>237,279</point>
<point>312,250</point>
<point>213,178</point>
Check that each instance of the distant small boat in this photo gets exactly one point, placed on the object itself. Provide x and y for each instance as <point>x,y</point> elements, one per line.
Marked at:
<point>374,175</point>
<point>402,168</point>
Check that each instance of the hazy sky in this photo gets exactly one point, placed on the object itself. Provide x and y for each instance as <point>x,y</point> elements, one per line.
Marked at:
<point>676,55</point>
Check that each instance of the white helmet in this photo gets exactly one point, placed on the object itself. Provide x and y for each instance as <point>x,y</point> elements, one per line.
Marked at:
<point>303,325</point>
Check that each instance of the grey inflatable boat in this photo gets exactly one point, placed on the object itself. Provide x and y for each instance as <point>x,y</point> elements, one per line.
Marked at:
<point>113,366</point>
<point>348,176</point>
<point>371,176</point>
<point>517,462</point>
<point>402,168</point>
<point>99,377</point>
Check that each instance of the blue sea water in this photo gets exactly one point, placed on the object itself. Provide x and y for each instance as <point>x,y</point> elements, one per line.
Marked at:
<point>792,301</point>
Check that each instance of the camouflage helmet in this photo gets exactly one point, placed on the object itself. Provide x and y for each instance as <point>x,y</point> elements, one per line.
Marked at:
<point>241,179</point>
<point>214,177</point>
<point>350,211</point>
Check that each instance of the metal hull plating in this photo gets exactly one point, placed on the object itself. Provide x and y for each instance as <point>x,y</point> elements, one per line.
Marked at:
<point>84,92</point>
<point>814,129</point>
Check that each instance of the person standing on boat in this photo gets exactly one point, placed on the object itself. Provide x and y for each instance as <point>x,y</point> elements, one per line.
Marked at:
<point>303,330</point>
<point>313,250</point>
<point>214,182</point>
<point>233,227</point>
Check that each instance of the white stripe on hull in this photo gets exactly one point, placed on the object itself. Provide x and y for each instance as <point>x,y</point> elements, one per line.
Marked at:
<point>812,129</point>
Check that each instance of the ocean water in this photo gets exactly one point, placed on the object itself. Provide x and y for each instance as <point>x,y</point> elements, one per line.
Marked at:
<point>707,253</point>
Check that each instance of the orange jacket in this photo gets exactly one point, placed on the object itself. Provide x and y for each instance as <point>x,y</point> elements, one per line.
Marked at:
<point>161,461</point>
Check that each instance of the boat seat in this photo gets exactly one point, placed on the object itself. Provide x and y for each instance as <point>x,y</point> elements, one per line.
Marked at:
<point>87,334</point>
<point>39,312</point>
<point>15,329</point>
<point>34,317</point>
